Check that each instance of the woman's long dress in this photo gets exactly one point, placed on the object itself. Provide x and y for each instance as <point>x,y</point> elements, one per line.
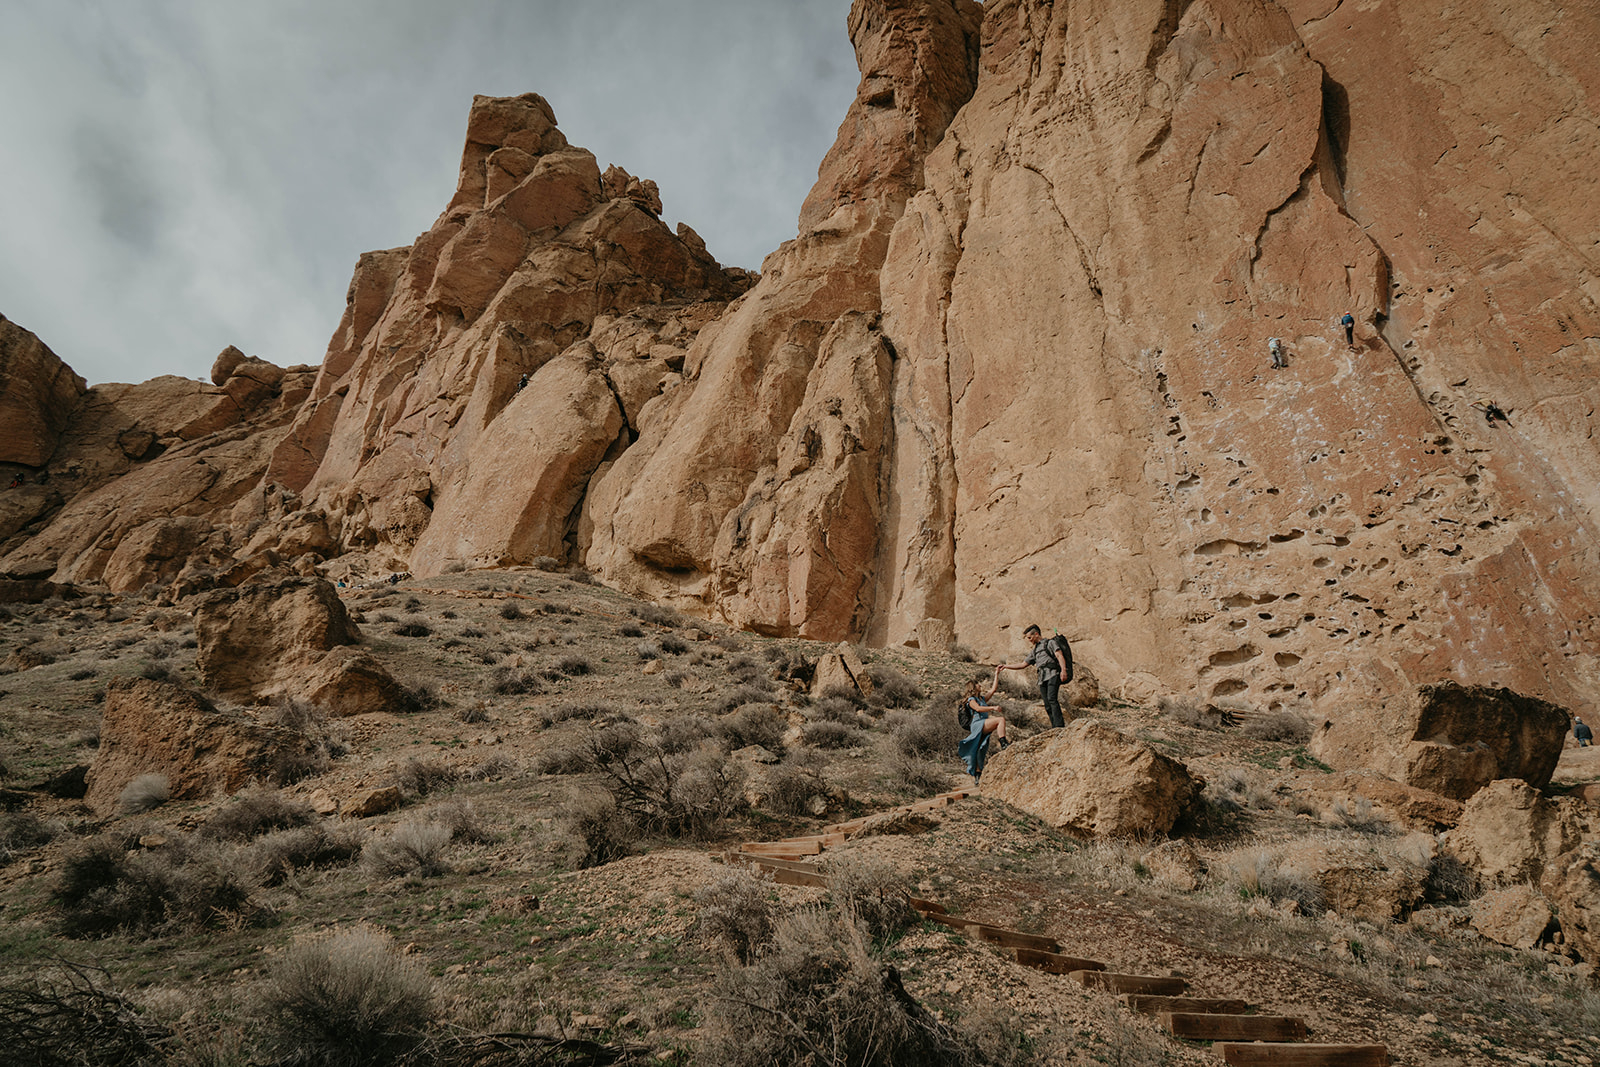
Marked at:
<point>975,746</point>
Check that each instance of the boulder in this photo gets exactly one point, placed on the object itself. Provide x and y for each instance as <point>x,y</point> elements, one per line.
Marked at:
<point>154,552</point>
<point>290,636</point>
<point>1357,880</point>
<point>1518,916</point>
<point>372,802</point>
<point>1092,780</point>
<point>840,669</point>
<point>151,727</point>
<point>1084,689</point>
<point>1413,808</point>
<point>1448,738</point>
<point>1509,831</point>
<point>1572,883</point>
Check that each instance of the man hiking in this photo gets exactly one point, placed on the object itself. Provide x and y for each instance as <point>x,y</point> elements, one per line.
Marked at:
<point>1053,659</point>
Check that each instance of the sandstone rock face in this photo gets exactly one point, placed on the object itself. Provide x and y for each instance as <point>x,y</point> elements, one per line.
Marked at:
<point>1449,738</point>
<point>158,728</point>
<point>1517,916</point>
<point>1572,883</point>
<point>290,637</point>
<point>1013,366</point>
<point>38,396</point>
<point>1510,832</point>
<point>1092,780</point>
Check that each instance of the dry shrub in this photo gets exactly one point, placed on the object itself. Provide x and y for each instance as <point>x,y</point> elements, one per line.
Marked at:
<point>1261,874</point>
<point>514,681</point>
<point>548,564</point>
<point>68,1016</point>
<point>833,709</point>
<point>565,753</point>
<point>831,735</point>
<point>869,891</point>
<point>573,666</point>
<point>735,913</point>
<point>599,832</point>
<point>275,856</point>
<point>686,732</point>
<point>755,724</point>
<point>933,731</point>
<point>413,848</point>
<point>892,689</point>
<point>591,711</point>
<point>657,614</point>
<point>492,767</point>
<point>474,714</point>
<point>741,695</point>
<point>346,998</point>
<point>145,793</point>
<point>461,818</point>
<point>20,831</point>
<point>673,793</point>
<point>254,812</point>
<point>1019,685</point>
<point>104,888</point>
<point>648,650</point>
<point>412,628</point>
<point>418,777</point>
<point>1188,713</point>
<point>511,611</point>
<point>792,784</point>
<point>919,775</point>
<point>820,997</point>
<point>1282,726</point>
<point>1358,816</point>
<point>673,645</point>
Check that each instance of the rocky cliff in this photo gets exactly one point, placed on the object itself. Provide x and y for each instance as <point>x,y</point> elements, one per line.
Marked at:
<point>1012,368</point>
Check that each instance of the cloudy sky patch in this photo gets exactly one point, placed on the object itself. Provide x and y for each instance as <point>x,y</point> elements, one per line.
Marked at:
<point>181,175</point>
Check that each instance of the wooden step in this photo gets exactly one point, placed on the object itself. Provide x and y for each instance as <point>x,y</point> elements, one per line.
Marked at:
<point>1110,982</point>
<point>1156,1005</point>
<point>782,849</point>
<point>925,906</point>
<point>957,794</point>
<point>1266,1054</point>
<point>825,840</point>
<point>1206,1027</point>
<point>1055,962</point>
<point>999,935</point>
<point>785,876</point>
<point>771,862</point>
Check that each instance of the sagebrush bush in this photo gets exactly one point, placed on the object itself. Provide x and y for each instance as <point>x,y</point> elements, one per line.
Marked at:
<point>872,893</point>
<point>919,775</point>
<point>418,777</point>
<point>574,665</point>
<point>492,767</point>
<point>755,724</point>
<point>630,629</point>
<point>144,793</point>
<point>413,848</point>
<point>831,735</point>
<point>19,831</point>
<point>461,818</point>
<point>648,650</point>
<point>892,689</point>
<point>1262,874</point>
<point>591,710</point>
<point>661,792</point>
<point>473,714</point>
<point>104,888</point>
<point>255,811</point>
<point>673,645</point>
<point>514,681</point>
<point>275,856</point>
<point>511,611</point>
<point>933,731</point>
<point>792,784</point>
<point>741,695</point>
<point>685,732</point>
<point>346,998</point>
<point>657,614</point>
<point>1282,726</point>
<point>599,832</point>
<point>818,996</point>
<point>833,709</point>
<point>412,628</point>
<point>1189,713</point>
<point>734,913</point>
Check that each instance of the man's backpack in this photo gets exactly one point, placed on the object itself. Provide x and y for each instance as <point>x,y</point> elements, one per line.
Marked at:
<point>1058,643</point>
<point>964,714</point>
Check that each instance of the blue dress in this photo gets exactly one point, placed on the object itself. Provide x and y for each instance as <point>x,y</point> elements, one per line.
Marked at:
<point>974,747</point>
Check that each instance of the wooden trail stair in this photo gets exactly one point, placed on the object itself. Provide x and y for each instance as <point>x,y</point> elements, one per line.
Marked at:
<point>1238,1036</point>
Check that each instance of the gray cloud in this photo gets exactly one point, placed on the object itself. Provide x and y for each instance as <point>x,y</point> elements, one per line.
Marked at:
<point>184,175</point>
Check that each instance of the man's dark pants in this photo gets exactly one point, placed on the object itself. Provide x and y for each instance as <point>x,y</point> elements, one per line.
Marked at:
<point>1050,692</point>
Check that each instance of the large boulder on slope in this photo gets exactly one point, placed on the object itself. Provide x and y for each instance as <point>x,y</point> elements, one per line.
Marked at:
<point>38,394</point>
<point>1092,780</point>
<point>1572,884</point>
<point>152,727</point>
<point>1509,832</point>
<point>1448,738</point>
<point>290,638</point>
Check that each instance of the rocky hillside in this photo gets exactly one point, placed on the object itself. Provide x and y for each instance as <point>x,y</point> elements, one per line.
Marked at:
<point>1013,367</point>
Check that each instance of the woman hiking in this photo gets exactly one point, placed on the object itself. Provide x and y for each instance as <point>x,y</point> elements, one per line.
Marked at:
<point>985,719</point>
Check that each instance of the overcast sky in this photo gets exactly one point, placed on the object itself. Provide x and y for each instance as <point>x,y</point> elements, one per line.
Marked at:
<point>181,175</point>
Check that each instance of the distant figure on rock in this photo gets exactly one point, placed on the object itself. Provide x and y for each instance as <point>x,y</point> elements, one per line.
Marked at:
<point>522,383</point>
<point>1275,346</point>
<point>1492,411</point>
<point>1053,658</point>
<point>1348,321</point>
<point>980,719</point>
<point>1581,731</point>
<point>16,480</point>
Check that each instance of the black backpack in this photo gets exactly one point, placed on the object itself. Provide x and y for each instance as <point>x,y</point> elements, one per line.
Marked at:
<point>964,714</point>
<point>1058,643</point>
